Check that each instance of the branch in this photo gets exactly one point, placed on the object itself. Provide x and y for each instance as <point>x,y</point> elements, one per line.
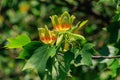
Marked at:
<point>99,57</point>
<point>105,57</point>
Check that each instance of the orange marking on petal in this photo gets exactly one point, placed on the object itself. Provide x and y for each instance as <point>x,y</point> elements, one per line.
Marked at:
<point>43,38</point>
<point>65,25</point>
<point>48,38</point>
<point>54,38</point>
<point>57,27</point>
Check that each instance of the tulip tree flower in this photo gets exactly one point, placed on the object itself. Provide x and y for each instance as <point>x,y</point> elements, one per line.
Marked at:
<point>62,23</point>
<point>63,31</point>
<point>47,36</point>
<point>61,47</point>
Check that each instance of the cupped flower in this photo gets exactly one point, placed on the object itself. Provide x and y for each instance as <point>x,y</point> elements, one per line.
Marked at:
<point>62,23</point>
<point>47,36</point>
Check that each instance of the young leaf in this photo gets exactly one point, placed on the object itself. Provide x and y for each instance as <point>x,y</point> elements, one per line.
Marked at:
<point>76,36</point>
<point>83,23</point>
<point>18,42</point>
<point>78,26</point>
<point>39,59</point>
<point>59,40</point>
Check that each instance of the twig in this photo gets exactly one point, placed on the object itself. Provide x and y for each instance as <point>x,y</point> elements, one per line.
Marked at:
<point>105,57</point>
<point>99,57</point>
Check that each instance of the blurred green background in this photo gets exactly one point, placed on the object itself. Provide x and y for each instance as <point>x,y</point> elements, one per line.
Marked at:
<point>25,16</point>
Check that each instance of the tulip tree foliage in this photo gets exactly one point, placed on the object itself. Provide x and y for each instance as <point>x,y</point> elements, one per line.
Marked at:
<point>57,50</point>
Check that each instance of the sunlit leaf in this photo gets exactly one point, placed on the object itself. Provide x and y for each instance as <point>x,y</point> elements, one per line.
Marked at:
<point>114,66</point>
<point>18,42</point>
<point>83,23</point>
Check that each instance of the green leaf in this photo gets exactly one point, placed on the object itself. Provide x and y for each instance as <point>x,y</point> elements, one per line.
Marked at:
<point>52,51</point>
<point>86,54</point>
<point>83,23</point>
<point>23,54</point>
<point>116,17</point>
<point>76,51</point>
<point>77,61</point>
<point>118,38</point>
<point>88,46</point>
<point>78,26</point>
<point>62,71</point>
<point>68,57</point>
<point>86,58</point>
<point>18,42</point>
<point>28,49</point>
<point>39,59</point>
<point>113,30</point>
<point>76,36</point>
<point>112,52</point>
<point>83,56</point>
<point>114,66</point>
<point>59,40</point>
<point>101,1</point>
